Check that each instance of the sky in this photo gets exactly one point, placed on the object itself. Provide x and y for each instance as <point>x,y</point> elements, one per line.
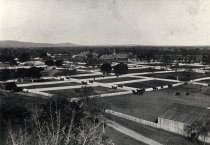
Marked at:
<point>106,22</point>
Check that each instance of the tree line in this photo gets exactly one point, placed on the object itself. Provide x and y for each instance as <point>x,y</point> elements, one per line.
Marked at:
<point>33,72</point>
<point>118,69</point>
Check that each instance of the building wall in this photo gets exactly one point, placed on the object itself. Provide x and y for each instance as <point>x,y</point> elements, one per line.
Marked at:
<point>171,126</point>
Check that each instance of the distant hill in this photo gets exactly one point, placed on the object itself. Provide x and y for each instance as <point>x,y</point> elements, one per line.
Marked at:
<point>19,44</point>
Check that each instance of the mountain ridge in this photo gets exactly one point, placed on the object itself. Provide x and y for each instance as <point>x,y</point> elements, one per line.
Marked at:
<point>17,44</point>
<point>22,44</point>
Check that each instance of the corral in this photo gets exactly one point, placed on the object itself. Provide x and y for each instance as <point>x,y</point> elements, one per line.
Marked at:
<point>151,105</point>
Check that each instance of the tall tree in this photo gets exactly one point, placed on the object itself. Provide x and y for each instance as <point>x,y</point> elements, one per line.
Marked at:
<point>35,72</point>
<point>206,59</point>
<point>59,62</point>
<point>49,62</point>
<point>92,60</point>
<point>106,68</point>
<point>5,74</point>
<point>200,128</point>
<point>120,69</point>
<point>24,57</point>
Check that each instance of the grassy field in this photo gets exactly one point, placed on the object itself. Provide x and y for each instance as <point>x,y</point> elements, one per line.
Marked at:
<point>32,103</point>
<point>151,105</point>
<point>158,135</point>
<point>36,80</point>
<point>188,67</point>
<point>89,77</point>
<point>70,72</point>
<point>71,93</point>
<point>63,72</point>
<point>120,139</point>
<point>120,79</point>
<point>205,81</point>
<point>152,64</point>
<point>142,70</point>
<point>194,89</point>
<point>53,85</point>
<point>148,84</point>
<point>181,75</point>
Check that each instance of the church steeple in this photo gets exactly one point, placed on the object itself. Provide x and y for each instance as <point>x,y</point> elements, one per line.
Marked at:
<point>114,52</point>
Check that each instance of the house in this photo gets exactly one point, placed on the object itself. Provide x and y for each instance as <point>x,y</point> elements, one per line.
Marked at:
<point>34,63</point>
<point>122,56</point>
<point>80,57</point>
<point>114,57</point>
<point>178,116</point>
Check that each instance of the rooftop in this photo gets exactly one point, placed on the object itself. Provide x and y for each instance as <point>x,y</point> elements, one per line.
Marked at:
<point>185,113</point>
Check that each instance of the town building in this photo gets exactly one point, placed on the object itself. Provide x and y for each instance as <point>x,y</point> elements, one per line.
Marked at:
<point>80,57</point>
<point>178,116</point>
<point>114,57</point>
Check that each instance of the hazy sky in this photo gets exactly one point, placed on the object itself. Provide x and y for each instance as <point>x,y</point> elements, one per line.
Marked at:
<point>143,22</point>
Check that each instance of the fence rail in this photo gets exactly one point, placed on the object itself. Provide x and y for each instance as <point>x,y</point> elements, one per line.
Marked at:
<point>132,118</point>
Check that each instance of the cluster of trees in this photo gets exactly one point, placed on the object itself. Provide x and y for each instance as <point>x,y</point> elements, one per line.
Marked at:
<point>206,59</point>
<point>119,69</point>
<point>33,72</point>
<point>198,128</point>
<point>58,122</point>
<point>8,58</point>
<point>92,60</point>
<point>12,87</point>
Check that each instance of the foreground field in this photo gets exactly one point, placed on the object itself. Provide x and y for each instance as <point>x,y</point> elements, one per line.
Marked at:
<point>151,105</point>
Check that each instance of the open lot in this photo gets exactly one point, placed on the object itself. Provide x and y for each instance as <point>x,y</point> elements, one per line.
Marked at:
<point>120,79</point>
<point>151,105</point>
<point>89,77</point>
<point>52,85</point>
<point>182,76</point>
<point>187,67</point>
<point>205,81</point>
<point>22,99</point>
<point>27,80</point>
<point>148,84</point>
<point>198,89</point>
<point>62,72</point>
<point>71,93</point>
<point>142,70</point>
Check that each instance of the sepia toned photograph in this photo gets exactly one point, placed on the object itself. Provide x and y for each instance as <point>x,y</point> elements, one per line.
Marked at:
<point>104,72</point>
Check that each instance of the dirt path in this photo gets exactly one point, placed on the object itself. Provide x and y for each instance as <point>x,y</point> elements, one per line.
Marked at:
<point>132,133</point>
